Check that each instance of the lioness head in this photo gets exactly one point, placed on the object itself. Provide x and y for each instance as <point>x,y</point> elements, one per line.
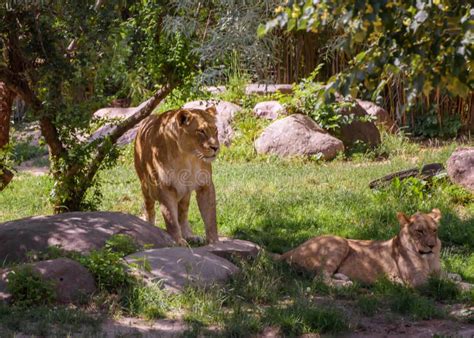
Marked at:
<point>198,132</point>
<point>421,230</point>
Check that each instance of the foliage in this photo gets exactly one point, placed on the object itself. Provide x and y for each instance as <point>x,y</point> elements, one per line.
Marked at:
<point>429,126</point>
<point>29,288</point>
<point>226,32</point>
<point>429,44</point>
<point>72,59</point>
<point>309,99</point>
<point>108,269</point>
<point>122,244</point>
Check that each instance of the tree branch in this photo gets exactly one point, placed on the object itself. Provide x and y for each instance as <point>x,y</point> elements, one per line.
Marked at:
<point>104,148</point>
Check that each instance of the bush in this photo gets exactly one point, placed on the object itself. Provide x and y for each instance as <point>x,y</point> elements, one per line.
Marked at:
<point>122,244</point>
<point>28,288</point>
<point>108,269</point>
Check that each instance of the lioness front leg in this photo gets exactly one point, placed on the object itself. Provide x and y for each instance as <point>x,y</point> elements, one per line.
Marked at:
<point>149,206</point>
<point>206,198</point>
<point>169,210</point>
<point>183,208</point>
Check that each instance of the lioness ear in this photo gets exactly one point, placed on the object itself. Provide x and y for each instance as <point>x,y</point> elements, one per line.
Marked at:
<point>403,219</point>
<point>435,214</point>
<point>212,110</point>
<point>184,118</point>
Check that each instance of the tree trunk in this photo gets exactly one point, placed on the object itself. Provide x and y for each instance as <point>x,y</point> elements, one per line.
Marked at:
<point>6,101</point>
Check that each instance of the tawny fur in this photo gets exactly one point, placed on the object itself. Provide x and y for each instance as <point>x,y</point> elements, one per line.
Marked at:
<point>173,155</point>
<point>410,257</point>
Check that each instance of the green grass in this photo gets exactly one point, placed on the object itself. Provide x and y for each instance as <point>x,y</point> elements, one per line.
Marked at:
<point>280,204</point>
<point>47,321</point>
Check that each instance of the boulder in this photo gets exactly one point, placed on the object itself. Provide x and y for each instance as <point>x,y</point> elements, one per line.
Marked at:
<point>113,116</point>
<point>265,89</point>
<point>269,110</point>
<point>229,248</point>
<point>72,281</point>
<point>297,135</point>
<point>215,89</point>
<point>225,114</point>
<point>358,131</point>
<point>74,231</point>
<point>179,267</point>
<point>461,167</point>
<point>382,117</point>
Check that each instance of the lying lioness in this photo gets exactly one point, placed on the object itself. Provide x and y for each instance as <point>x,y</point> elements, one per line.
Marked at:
<point>410,257</point>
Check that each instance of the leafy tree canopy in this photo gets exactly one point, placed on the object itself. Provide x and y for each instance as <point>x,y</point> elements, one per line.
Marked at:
<point>428,43</point>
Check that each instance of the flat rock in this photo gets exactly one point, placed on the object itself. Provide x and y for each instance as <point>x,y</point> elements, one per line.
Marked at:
<point>72,281</point>
<point>215,89</point>
<point>265,89</point>
<point>382,117</point>
<point>225,114</point>
<point>179,267</point>
<point>269,110</point>
<point>297,135</point>
<point>461,167</point>
<point>228,248</point>
<point>74,231</point>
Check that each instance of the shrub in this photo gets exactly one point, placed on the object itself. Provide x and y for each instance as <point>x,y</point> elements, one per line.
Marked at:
<point>29,288</point>
<point>122,244</point>
<point>108,269</point>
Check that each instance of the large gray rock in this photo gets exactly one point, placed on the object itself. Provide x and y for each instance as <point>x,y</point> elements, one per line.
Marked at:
<point>297,135</point>
<point>265,89</point>
<point>225,114</point>
<point>176,268</point>
<point>461,167</point>
<point>382,117</point>
<point>72,282</point>
<point>113,116</point>
<point>74,231</point>
<point>269,110</point>
<point>358,130</point>
<point>229,248</point>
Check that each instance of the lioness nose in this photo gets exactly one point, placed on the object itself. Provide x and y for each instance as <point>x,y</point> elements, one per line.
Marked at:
<point>431,246</point>
<point>215,148</point>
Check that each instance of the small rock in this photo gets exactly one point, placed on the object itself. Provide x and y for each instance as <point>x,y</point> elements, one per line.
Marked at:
<point>179,267</point>
<point>225,114</point>
<point>269,110</point>
<point>72,281</point>
<point>265,89</point>
<point>226,248</point>
<point>297,135</point>
<point>74,231</point>
<point>461,167</point>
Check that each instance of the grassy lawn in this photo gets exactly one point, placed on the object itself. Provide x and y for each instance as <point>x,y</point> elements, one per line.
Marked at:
<point>279,204</point>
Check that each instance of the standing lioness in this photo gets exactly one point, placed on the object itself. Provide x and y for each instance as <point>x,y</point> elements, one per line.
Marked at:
<point>410,257</point>
<point>173,155</point>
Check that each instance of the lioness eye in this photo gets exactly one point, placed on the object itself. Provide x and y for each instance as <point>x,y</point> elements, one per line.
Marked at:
<point>419,231</point>
<point>201,132</point>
